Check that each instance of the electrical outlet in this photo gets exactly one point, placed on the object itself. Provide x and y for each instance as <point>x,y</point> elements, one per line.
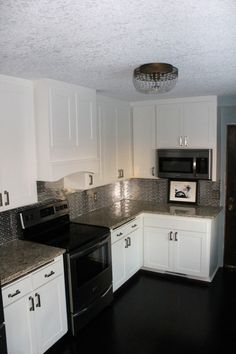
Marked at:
<point>95,196</point>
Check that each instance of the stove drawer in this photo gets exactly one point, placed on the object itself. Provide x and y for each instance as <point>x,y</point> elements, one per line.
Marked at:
<point>47,273</point>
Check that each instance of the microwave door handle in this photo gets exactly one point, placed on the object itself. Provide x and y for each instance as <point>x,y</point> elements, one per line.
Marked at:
<point>194,166</point>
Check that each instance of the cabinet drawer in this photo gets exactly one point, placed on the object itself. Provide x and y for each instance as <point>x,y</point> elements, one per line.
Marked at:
<point>47,273</point>
<point>16,290</point>
<point>125,229</point>
<point>173,222</point>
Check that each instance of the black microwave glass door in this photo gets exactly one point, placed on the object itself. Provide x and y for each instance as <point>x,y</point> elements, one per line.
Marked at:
<point>176,165</point>
<point>202,165</point>
<point>91,264</point>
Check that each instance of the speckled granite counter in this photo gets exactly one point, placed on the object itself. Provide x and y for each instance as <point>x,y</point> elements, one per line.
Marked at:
<point>125,210</point>
<point>17,258</point>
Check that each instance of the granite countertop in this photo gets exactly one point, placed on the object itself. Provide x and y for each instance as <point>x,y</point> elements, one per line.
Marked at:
<point>126,210</point>
<point>18,257</point>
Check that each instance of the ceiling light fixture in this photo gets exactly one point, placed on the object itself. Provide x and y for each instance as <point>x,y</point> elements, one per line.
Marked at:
<point>155,77</point>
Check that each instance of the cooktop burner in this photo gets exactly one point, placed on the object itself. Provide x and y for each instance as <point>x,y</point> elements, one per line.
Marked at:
<point>51,225</point>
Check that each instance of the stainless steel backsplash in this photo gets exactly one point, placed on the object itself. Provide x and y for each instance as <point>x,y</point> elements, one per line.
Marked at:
<point>80,202</point>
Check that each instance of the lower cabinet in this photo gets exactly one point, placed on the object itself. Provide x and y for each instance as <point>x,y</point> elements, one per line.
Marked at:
<point>127,252</point>
<point>35,310</point>
<point>183,245</point>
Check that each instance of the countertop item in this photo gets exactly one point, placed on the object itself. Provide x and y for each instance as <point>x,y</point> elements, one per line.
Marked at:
<point>125,210</point>
<point>18,257</point>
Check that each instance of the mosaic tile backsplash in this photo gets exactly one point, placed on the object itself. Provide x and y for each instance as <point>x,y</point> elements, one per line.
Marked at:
<point>80,202</point>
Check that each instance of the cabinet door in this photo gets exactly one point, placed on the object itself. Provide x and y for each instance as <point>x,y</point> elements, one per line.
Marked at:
<point>169,126</point>
<point>197,124</point>
<point>118,263</point>
<point>133,253</point>
<point>17,144</point>
<point>158,249</point>
<point>62,123</point>
<point>86,119</point>
<point>107,119</point>
<point>124,158</point>
<point>19,322</point>
<point>144,141</point>
<point>50,310</point>
<point>190,253</point>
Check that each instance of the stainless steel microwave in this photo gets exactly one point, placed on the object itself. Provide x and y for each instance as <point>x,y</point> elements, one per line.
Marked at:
<point>184,163</point>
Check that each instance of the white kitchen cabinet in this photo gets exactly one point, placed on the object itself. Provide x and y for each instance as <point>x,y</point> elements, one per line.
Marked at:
<point>115,139</point>
<point>35,310</point>
<point>66,129</point>
<point>127,255</point>
<point>144,140</point>
<point>182,245</point>
<point>187,123</point>
<point>174,123</point>
<point>17,143</point>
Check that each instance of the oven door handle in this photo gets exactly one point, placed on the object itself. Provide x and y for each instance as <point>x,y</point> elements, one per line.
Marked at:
<point>90,249</point>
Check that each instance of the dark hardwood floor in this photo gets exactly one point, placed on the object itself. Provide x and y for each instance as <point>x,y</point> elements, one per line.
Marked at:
<point>155,314</point>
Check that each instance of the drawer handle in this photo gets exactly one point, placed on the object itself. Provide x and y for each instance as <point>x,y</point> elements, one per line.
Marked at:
<point>134,225</point>
<point>49,274</point>
<point>120,234</point>
<point>16,293</point>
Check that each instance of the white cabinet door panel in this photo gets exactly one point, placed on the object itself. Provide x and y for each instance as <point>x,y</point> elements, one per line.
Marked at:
<point>19,327</point>
<point>190,253</point>
<point>133,253</point>
<point>157,249</point>
<point>86,126</point>
<point>118,264</point>
<point>17,143</point>
<point>196,125</point>
<point>51,313</point>
<point>144,140</point>
<point>169,125</point>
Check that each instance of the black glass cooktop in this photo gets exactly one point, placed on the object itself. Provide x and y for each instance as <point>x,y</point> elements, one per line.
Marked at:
<point>70,236</point>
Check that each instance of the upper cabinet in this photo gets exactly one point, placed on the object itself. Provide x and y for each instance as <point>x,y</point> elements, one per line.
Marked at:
<point>17,143</point>
<point>174,123</point>
<point>66,129</point>
<point>115,139</point>
<point>186,123</point>
<point>144,140</point>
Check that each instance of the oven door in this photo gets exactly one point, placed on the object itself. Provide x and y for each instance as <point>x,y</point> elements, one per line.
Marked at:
<point>90,274</point>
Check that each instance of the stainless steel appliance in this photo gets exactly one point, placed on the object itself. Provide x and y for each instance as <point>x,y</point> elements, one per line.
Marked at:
<point>88,270</point>
<point>184,163</point>
<point>3,343</point>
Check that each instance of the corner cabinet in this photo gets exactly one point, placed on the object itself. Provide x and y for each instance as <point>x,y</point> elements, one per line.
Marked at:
<point>115,139</point>
<point>185,123</point>
<point>182,245</point>
<point>35,310</point>
<point>127,251</point>
<point>17,143</point>
<point>66,129</point>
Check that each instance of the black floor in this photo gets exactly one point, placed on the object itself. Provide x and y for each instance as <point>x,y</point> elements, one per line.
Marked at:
<point>155,314</point>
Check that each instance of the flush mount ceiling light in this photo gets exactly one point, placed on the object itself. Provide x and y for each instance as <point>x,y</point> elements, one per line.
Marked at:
<point>155,77</point>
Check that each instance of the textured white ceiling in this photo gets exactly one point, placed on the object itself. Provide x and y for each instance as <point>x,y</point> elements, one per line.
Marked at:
<point>98,43</point>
